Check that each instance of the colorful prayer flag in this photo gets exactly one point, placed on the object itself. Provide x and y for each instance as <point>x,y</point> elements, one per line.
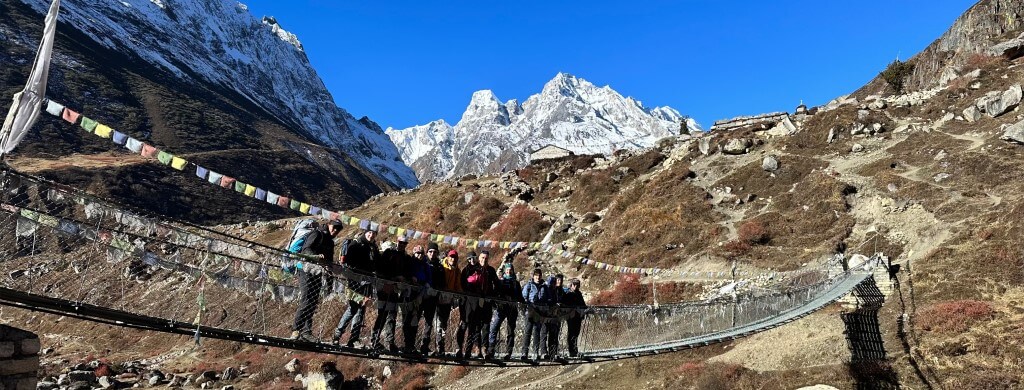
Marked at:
<point>227,182</point>
<point>313,210</point>
<point>149,151</point>
<point>54,108</point>
<point>178,163</point>
<point>272,198</point>
<point>239,187</point>
<point>304,207</point>
<point>163,157</point>
<point>88,124</point>
<point>214,178</point>
<point>202,172</point>
<point>134,145</point>
<point>294,204</point>
<point>374,226</point>
<point>260,194</point>
<point>103,131</point>
<point>364,224</point>
<point>250,190</point>
<point>71,116</point>
<point>119,138</point>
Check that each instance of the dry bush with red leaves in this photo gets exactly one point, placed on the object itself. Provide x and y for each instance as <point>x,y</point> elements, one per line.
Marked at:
<point>954,316</point>
<point>521,224</point>
<point>754,233</point>
<point>406,377</point>
<point>628,290</point>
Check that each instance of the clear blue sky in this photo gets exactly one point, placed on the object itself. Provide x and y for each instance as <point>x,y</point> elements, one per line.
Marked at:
<point>404,63</point>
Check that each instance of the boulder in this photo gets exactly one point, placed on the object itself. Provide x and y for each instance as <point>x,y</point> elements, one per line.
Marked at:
<point>107,382</point>
<point>770,163</point>
<point>999,103</point>
<point>552,176</point>
<point>972,114</point>
<point>877,105</point>
<point>857,148</point>
<point>858,129</point>
<point>1014,133</point>
<point>81,376</point>
<point>783,128</point>
<point>230,373</point>
<point>831,135</point>
<point>877,128</point>
<point>704,146</point>
<point>46,385</point>
<point>293,366</point>
<point>1010,49</point>
<point>736,146</point>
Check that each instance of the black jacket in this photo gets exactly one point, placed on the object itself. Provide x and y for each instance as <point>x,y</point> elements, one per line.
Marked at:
<point>573,299</point>
<point>319,242</point>
<point>509,289</point>
<point>362,256</point>
<point>485,286</point>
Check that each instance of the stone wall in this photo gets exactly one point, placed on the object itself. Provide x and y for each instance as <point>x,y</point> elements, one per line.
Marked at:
<point>19,359</point>
<point>765,120</point>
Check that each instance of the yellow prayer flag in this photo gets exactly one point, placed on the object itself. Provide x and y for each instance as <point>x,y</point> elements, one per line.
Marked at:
<point>401,232</point>
<point>176,162</point>
<point>354,221</point>
<point>303,207</point>
<point>250,190</point>
<point>103,130</point>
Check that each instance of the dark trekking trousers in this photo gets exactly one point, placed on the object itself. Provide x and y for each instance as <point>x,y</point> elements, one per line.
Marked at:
<point>533,332</point>
<point>504,312</point>
<point>444,316</point>
<point>427,309</point>
<point>573,326</point>
<point>384,324</point>
<point>354,314</point>
<point>552,330</point>
<point>309,299</point>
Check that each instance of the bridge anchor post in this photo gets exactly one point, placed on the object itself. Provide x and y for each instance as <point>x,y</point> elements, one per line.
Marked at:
<point>19,358</point>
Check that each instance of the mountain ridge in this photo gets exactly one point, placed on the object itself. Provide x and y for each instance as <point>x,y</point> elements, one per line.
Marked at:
<point>494,136</point>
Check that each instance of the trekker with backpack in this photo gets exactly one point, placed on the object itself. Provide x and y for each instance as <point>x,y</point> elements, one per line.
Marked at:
<point>506,310</point>
<point>359,258</point>
<point>319,244</point>
<point>533,295</point>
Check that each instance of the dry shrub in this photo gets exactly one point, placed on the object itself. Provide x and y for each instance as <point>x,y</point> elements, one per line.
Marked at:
<point>981,61</point>
<point>644,162</point>
<point>954,316</point>
<point>736,248</point>
<point>720,376</point>
<point>483,213</point>
<point>521,224</point>
<point>457,372</point>
<point>754,233</point>
<point>407,377</point>
<point>594,191</point>
<point>984,234</point>
<point>628,290</point>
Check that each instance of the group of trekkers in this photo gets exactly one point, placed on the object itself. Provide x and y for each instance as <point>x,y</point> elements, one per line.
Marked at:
<point>429,284</point>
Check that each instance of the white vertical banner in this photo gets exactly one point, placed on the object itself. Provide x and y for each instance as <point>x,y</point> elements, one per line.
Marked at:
<point>29,102</point>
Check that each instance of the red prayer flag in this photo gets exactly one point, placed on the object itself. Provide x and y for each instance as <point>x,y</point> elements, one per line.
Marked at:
<point>71,116</point>
<point>149,151</point>
<point>227,182</point>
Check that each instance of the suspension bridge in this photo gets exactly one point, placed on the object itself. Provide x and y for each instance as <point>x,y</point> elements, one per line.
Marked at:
<point>70,253</point>
<point>66,252</point>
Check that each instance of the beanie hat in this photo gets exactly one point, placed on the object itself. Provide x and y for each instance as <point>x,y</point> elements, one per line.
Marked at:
<point>453,253</point>
<point>432,245</point>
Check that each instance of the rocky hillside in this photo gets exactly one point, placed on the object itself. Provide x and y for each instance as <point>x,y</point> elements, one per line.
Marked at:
<point>495,136</point>
<point>159,97</point>
<point>931,179</point>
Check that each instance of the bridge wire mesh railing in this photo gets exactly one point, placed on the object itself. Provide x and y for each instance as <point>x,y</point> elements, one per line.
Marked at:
<point>62,243</point>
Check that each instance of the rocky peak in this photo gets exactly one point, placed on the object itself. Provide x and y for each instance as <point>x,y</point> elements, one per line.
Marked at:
<point>485,108</point>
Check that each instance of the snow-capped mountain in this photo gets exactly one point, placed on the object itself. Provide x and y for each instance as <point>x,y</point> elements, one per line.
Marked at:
<point>569,112</point>
<point>220,42</point>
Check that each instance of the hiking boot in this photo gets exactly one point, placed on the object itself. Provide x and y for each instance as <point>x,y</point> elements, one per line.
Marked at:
<point>295,335</point>
<point>458,355</point>
<point>307,337</point>
<point>508,356</point>
<point>424,350</point>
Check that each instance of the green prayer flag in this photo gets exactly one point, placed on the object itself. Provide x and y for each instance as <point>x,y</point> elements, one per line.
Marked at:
<point>164,157</point>
<point>88,124</point>
<point>295,204</point>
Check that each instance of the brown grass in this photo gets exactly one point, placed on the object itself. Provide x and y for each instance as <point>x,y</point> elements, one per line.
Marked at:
<point>522,223</point>
<point>954,316</point>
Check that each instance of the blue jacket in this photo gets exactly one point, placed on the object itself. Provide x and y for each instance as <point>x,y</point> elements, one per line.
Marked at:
<point>552,293</point>
<point>534,292</point>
